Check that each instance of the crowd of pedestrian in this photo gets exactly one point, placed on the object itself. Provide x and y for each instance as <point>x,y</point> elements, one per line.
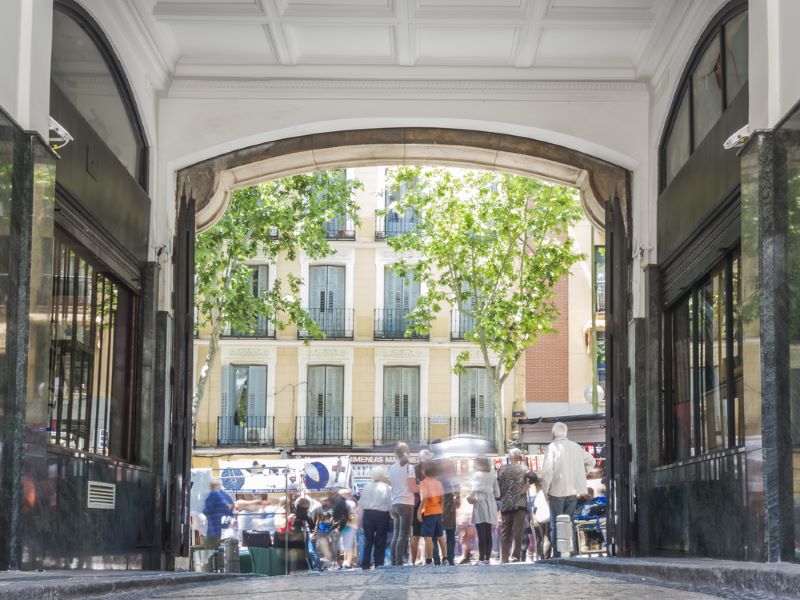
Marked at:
<point>413,513</point>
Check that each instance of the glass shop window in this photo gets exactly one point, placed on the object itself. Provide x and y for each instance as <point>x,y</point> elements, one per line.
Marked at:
<point>679,143</point>
<point>707,91</point>
<point>736,55</point>
<point>720,65</point>
<point>92,355</point>
<point>82,72</point>
<point>704,409</point>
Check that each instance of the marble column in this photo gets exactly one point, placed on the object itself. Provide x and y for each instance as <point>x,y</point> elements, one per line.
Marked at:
<point>766,345</point>
<point>27,183</point>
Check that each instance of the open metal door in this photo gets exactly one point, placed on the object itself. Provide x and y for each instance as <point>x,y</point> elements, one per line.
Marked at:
<point>618,450</point>
<point>180,447</point>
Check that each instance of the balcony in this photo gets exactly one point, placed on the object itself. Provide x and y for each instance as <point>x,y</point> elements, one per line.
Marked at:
<point>389,430</point>
<point>324,431</point>
<point>262,329</point>
<point>258,431</point>
<point>335,323</point>
<point>480,426</point>
<point>460,325</point>
<point>340,228</point>
<point>392,223</point>
<point>391,324</point>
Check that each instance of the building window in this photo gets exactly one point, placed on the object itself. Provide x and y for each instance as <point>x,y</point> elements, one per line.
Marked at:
<point>326,301</point>
<point>400,296</point>
<point>243,411</point>
<point>476,403</point>
<point>391,222</point>
<point>92,355</point>
<point>262,327</point>
<point>85,70</point>
<point>707,91</point>
<point>735,55</point>
<point>600,278</point>
<point>716,74</point>
<point>704,394</point>
<point>340,227</point>
<point>401,392</point>
<point>325,423</point>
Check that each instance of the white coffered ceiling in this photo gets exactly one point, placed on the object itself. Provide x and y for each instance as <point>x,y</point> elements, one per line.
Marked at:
<point>482,39</point>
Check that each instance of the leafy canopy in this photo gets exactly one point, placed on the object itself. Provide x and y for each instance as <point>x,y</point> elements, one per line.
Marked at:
<point>491,245</point>
<point>275,219</point>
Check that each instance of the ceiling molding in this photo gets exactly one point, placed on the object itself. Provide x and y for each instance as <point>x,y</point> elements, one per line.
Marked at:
<point>131,39</point>
<point>276,36</point>
<point>391,88</point>
<point>165,10</point>
<point>654,48</point>
<point>529,47</point>
<point>199,70</point>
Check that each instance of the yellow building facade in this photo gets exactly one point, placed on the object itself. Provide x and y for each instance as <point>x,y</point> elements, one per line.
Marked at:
<point>366,385</point>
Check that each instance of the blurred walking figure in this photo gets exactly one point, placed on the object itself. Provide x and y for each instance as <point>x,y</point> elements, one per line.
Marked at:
<point>431,497</point>
<point>350,530</point>
<point>513,480</point>
<point>404,485</point>
<point>425,456</point>
<point>218,506</point>
<point>540,522</point>
<point>451,501</point>
<point>330,520</point>
<point>482,496</point>
<point>375,503</point>
<point>564,476</point>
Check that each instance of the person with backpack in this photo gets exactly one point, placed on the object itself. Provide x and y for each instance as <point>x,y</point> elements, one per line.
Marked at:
<point>513,480</point>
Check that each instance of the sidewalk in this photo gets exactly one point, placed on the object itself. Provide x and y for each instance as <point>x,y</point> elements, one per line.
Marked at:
<point>55,585</point>
<point>775,579</point>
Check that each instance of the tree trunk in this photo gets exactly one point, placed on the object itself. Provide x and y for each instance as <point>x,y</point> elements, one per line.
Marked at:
<point>499,422</point>
<point>202,380</point>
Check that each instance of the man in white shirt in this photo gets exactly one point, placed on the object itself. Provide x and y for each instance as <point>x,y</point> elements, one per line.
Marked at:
<point>404,484</point>
<point>564,476</point>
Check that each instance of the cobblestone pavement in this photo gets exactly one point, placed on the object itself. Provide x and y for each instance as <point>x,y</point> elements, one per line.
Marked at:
<point>539,581</point>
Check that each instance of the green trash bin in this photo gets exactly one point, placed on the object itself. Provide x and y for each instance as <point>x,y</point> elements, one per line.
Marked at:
<point>277,561</point>
<point>245,562</point>
<point>260,558</point>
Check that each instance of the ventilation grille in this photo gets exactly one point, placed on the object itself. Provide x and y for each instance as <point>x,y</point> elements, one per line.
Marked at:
<point>102,495</point>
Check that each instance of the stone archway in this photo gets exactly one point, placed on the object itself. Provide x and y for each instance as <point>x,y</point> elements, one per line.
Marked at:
<point>204,190</point>
<point>210,182</point>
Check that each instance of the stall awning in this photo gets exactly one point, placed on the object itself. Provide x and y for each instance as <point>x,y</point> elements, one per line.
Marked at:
<point>321,474</point>
<point>583,431</point>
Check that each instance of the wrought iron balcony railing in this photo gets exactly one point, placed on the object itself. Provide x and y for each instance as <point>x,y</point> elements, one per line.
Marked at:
<point>340,228</point>
<point>392,223</point>
<point>392,324</point>
<point>460,325</point>
<point>335,323</point>
<point>261,329</point>
<point>480,426</point>
<point>388,430</point>
<point>324,431</point>
<point>249,430</point>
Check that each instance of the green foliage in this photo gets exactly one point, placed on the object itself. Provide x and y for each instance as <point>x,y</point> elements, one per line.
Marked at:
<point>491,245</point>
<point>274,219</point>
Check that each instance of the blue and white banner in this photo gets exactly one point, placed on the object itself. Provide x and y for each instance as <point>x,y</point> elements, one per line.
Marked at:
<point>320,474</point>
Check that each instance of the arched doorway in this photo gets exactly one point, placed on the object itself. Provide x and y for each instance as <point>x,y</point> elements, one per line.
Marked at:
<point>204,190</point>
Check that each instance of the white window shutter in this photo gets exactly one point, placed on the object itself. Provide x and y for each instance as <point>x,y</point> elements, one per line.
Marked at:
<point>257,384</point>
<point>225,404</point>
